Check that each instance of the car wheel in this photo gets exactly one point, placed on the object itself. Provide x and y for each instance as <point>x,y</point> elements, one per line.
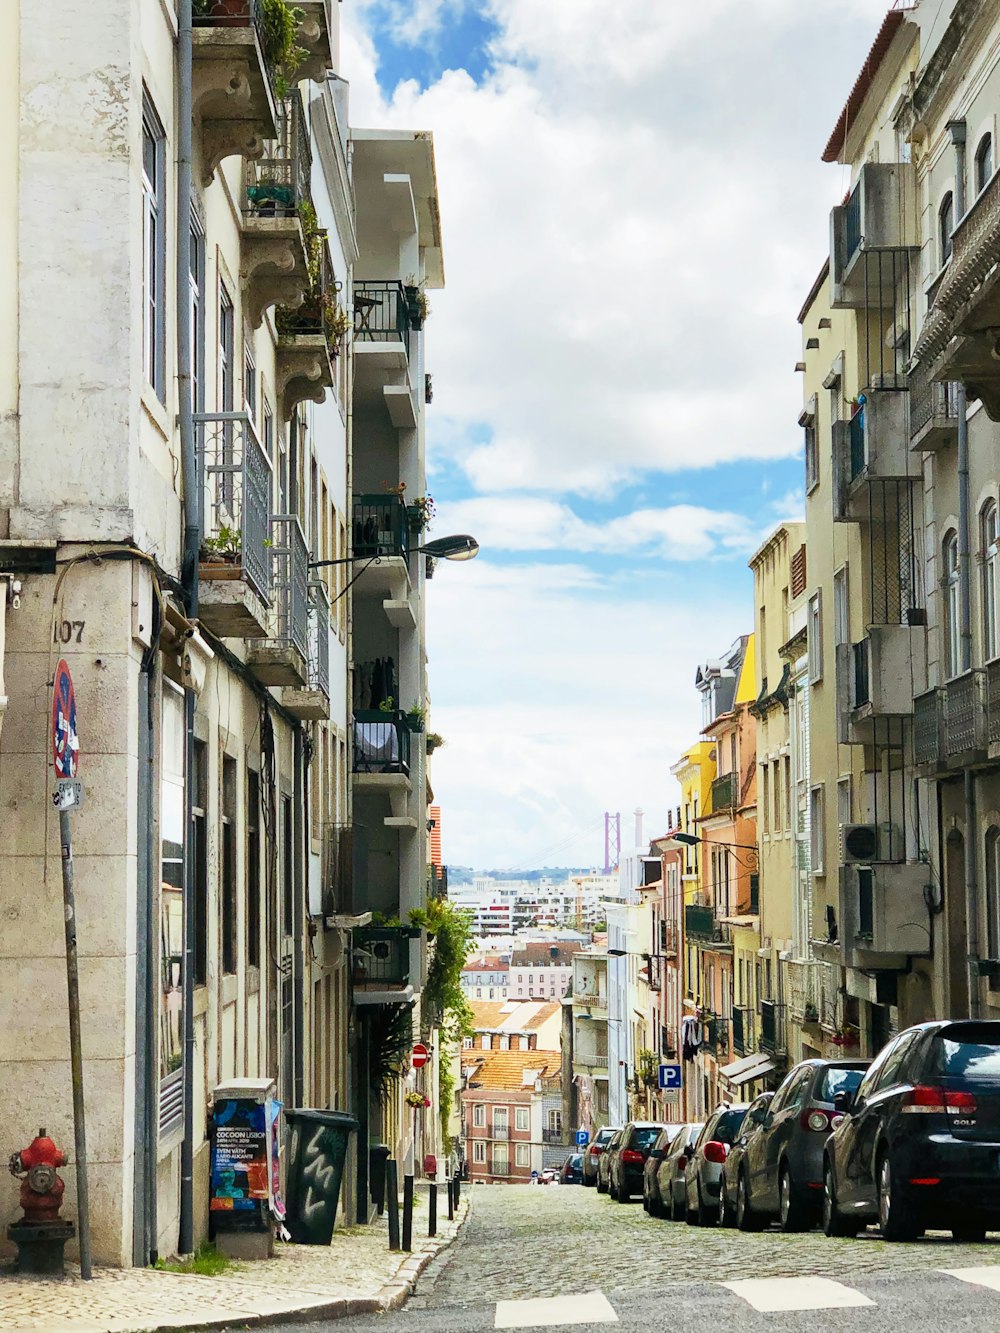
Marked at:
<point>678,1211</point>
<point>587,1181</point>
<point>624,1194</point>
<point>970,1232</point>
<point>645,1200</point>
<point>891,1206</point>
<point>746,1218</point>
<point>727,1213</point>
<point>601,1186</point>
<point>693,1215</point>
<point>792,1214</point>
<point>834,1223</point>
<point>707,1215</point>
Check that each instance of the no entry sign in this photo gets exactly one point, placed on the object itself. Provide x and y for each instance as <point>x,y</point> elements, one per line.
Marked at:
<point>419,1056</point>
<point>65,740</point>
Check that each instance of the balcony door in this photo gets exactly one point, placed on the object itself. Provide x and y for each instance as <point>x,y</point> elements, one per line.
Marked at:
<point>501,1159</point>
<point>501,1123</point>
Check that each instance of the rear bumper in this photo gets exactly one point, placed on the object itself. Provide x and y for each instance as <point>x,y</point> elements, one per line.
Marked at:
<point>955,1177</point>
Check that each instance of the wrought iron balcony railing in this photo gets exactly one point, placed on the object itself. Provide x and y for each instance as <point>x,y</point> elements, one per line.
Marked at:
<point>501,1131</point>
<point>277,184</point>
<point>552,1136</point>
<point>858,458</point>
<point>290,562</point>
<point>993,702</point>
<point>382,312</point>
<point>380,955</point>
<point>338,870</point>
<point>928,728</point>
<point>965,713</point>
<point>933,406</point>
<point>724,792</point>
<point>234,476</point>
<point>772,1027</point>
<point>381,526</point>
<point>699,921</point>
<point>381,742</point>
<point>743,1030</point>
<point>319,637</point>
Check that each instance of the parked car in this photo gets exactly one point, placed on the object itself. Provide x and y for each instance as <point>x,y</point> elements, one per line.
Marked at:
<point>593,1152</point>
<point>734,1158</point>
<point>781,1175</point>
<point>651,1200</point>
<point>703,1173</point>
<point>627,1162</point>
<point>604,1162</point>
<point>919,1142</point>
<point>571,1172</point>
<point>670,1176</point>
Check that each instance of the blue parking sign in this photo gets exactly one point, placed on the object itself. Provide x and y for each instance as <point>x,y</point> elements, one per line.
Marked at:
<point>582,1138</point>
<point>670,1078</point>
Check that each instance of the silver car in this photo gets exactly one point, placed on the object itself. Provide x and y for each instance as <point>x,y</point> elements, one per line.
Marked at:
<point>670,1175</point>
<point>703,1176</point>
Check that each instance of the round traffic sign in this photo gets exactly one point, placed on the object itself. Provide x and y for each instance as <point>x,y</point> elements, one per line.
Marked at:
<point>65,740</point>
<point>420,1055</point>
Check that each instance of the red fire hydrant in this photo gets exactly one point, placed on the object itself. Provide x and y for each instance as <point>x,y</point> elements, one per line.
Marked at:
<point>41,1187</point>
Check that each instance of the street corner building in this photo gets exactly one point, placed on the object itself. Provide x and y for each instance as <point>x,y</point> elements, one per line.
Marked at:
<point>212,494</point>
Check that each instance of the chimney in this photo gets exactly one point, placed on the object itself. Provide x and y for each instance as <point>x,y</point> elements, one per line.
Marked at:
<point>638,828</point>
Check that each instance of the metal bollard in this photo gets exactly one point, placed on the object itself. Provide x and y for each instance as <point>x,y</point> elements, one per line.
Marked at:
<point>407,1213</point>
<point>392,1201</point>
<point>432,1210</point>
<point>451,1198</point>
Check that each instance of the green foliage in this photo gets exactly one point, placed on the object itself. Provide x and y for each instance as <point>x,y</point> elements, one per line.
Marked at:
<point>434,741</point>
<point>391,1043</point>
<point>446,1088</point>
<point>450,933</point>
<point>280,25</point>
<point>206,1262</point>
<point>228,541</point>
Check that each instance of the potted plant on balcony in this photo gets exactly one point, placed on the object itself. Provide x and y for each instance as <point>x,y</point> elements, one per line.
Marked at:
<point>220,556</point>
<point>416,717</point>
<point>420,512</point>
<point>811,1014</point>
<point>434,741</point>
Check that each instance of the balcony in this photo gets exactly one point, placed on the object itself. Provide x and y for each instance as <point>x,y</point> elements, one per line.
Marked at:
<point>234,569</point>
<point>993,708</point>
<point>883,913</point>
<point>312,703</point>
<point>553,1136</point>
<point>384,321</point>
<point>933,414</point>
<point>314,38</point>
<point>871,455</point>
<point>282,658</point>
<point>928,731</point>
<point>274,260</point>
<point>877,677</point>
<point>699,922</point>
<point>724,793</point>
<point>668,938</point>
<point>743,1031</point>
<point>233,96</point>
<point>965,728</point>
<point>717,1038</point>
<point>338,871</point>
<point>381,743</point>
<point>590,1065</point>
<point>311,335</point>
<point>873,235</point>
<point>500,1131</point>
<point>381,535</point>
<point>380,962</point>
<point>959,337</point>
<point>772,1027</point>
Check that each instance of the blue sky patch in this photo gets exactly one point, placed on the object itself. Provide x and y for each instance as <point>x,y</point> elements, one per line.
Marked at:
<point>461,42</point>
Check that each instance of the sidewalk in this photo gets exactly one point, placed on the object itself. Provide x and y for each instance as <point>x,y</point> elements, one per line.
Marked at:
<point>357,1274</point>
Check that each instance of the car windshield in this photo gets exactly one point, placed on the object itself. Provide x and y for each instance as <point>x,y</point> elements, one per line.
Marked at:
<point>604,1137</point>
<point>728,1124</point>
<point>838,1080</point>
<point>575,1160</point>
<point>971,1053</point>
<point>645,1138</point>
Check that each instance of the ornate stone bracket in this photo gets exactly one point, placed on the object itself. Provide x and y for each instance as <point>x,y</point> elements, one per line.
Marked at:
<point>313,38</point>
<point>231,96</point>
<point>304,371</point>
<point>274,266</point>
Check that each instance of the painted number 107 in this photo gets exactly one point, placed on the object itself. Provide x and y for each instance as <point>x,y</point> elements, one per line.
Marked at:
<point>68,631</point>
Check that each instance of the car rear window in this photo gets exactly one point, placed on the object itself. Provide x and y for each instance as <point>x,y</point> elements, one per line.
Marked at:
<point>727,1125</point>
<point>645,1138</point>
<point>604,1136</point>
<point>970,1053</point>
<point>838,1080</point>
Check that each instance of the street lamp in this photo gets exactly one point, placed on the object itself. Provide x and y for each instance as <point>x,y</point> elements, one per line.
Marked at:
<point>460,546</point>
<point>693,840</point>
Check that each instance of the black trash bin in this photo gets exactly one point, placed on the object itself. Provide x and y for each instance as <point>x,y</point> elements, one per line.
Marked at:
<point>317,1150</point>
<point>378,1155</point>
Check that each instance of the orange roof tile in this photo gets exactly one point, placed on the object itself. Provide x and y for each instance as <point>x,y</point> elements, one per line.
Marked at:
<point>505,1069</point>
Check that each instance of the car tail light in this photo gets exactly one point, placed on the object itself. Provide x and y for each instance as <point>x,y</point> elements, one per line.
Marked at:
<point>715,1152</point>
<point>815,1120</point>
<point>595,1150</point>
<point>630,1155</point>
<point>926,1100</point>
<point>836,1120</point>
<point>926,1180</point>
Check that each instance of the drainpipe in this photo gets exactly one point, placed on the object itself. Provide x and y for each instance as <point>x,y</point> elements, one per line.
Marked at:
<point>189,581</point>
<point>956,128</point>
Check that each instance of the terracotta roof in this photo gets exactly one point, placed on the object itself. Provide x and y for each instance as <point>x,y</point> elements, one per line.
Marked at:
<point>890,26</point>
<point>542,1014</point>
<point>488,1013</point>
<point>542,955</point>
<point>512,1016</point>
<point>505,1069</point>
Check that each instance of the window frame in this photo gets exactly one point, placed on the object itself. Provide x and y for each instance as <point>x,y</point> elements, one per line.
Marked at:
<point>154,249</point>
<point>945,227</point>
<point>983,158</point>
<point>991,884</point>
<point>989,554</point>
<point>817,828</point>
<point>522,1154</point>
<point>228,908</point>
<point>814,618</point>
<point>522,1114</point>
<point>950,581</point>
<point>478,1115</point>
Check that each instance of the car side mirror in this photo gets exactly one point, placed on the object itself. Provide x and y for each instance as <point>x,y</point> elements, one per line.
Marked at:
<point>689,1151</point>
<point>843,1101</point>
<point>656,1154</point>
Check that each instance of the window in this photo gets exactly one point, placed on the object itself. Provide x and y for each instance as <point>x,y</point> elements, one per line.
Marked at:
<point>287,863</point>
<point>501,1159</point>
<point>992,848</point>
<point>841,607</point>
<point>199,834</point>
<point>522,1154</point>
<point>228,865</point>
<point>946,225</point>
<point>172,846</point>
<point>844,801</point>
<point>501,1120</point>
<point>950,582</point>
<point>787,766</point>
<point>555,1122</point>
<point>154,249</point>
<point>505,1042</point>
<point>521,1118</point>
<point>253,868</point>
<point>817,807</point>
<point>989,539</point>
<point>227,349</point>
<point>776,782</point>
<point>811,453</point>
<point>249,380</point>
<point>984,162</point>
<point>479,1152</point>
<point>479,1116</point>
<point>815,624</point>
<point>196,289</point>
<point>765,804</point>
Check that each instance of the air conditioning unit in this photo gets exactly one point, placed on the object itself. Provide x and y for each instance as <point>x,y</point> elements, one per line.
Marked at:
<point>863,844</point>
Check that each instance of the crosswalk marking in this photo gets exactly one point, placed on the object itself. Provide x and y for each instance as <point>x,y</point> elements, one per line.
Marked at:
<point>988,1276</point>
<point>771,1294</point>
<point>549,1312</point>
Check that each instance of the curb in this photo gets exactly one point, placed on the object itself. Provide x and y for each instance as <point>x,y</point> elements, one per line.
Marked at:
<point>392,1296</point>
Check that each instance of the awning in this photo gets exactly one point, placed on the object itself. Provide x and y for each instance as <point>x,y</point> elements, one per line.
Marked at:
<point>747,1069</point>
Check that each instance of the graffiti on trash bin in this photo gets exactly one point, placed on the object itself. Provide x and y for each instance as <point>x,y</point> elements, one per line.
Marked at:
<point>319,1173</point>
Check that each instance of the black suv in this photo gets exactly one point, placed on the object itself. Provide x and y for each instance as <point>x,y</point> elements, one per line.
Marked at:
<point>628,1162</point>
<point>919,1144</point>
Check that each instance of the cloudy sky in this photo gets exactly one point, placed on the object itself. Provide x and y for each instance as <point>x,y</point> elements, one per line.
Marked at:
<point>633,210</point>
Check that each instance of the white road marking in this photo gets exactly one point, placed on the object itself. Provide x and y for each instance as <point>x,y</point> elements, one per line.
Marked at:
<point>772,1294</point>
<point>549,1312</point>
<point>987,1276</point>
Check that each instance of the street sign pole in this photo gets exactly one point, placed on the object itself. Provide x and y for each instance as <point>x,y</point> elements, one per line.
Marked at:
<point>65,760</point>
